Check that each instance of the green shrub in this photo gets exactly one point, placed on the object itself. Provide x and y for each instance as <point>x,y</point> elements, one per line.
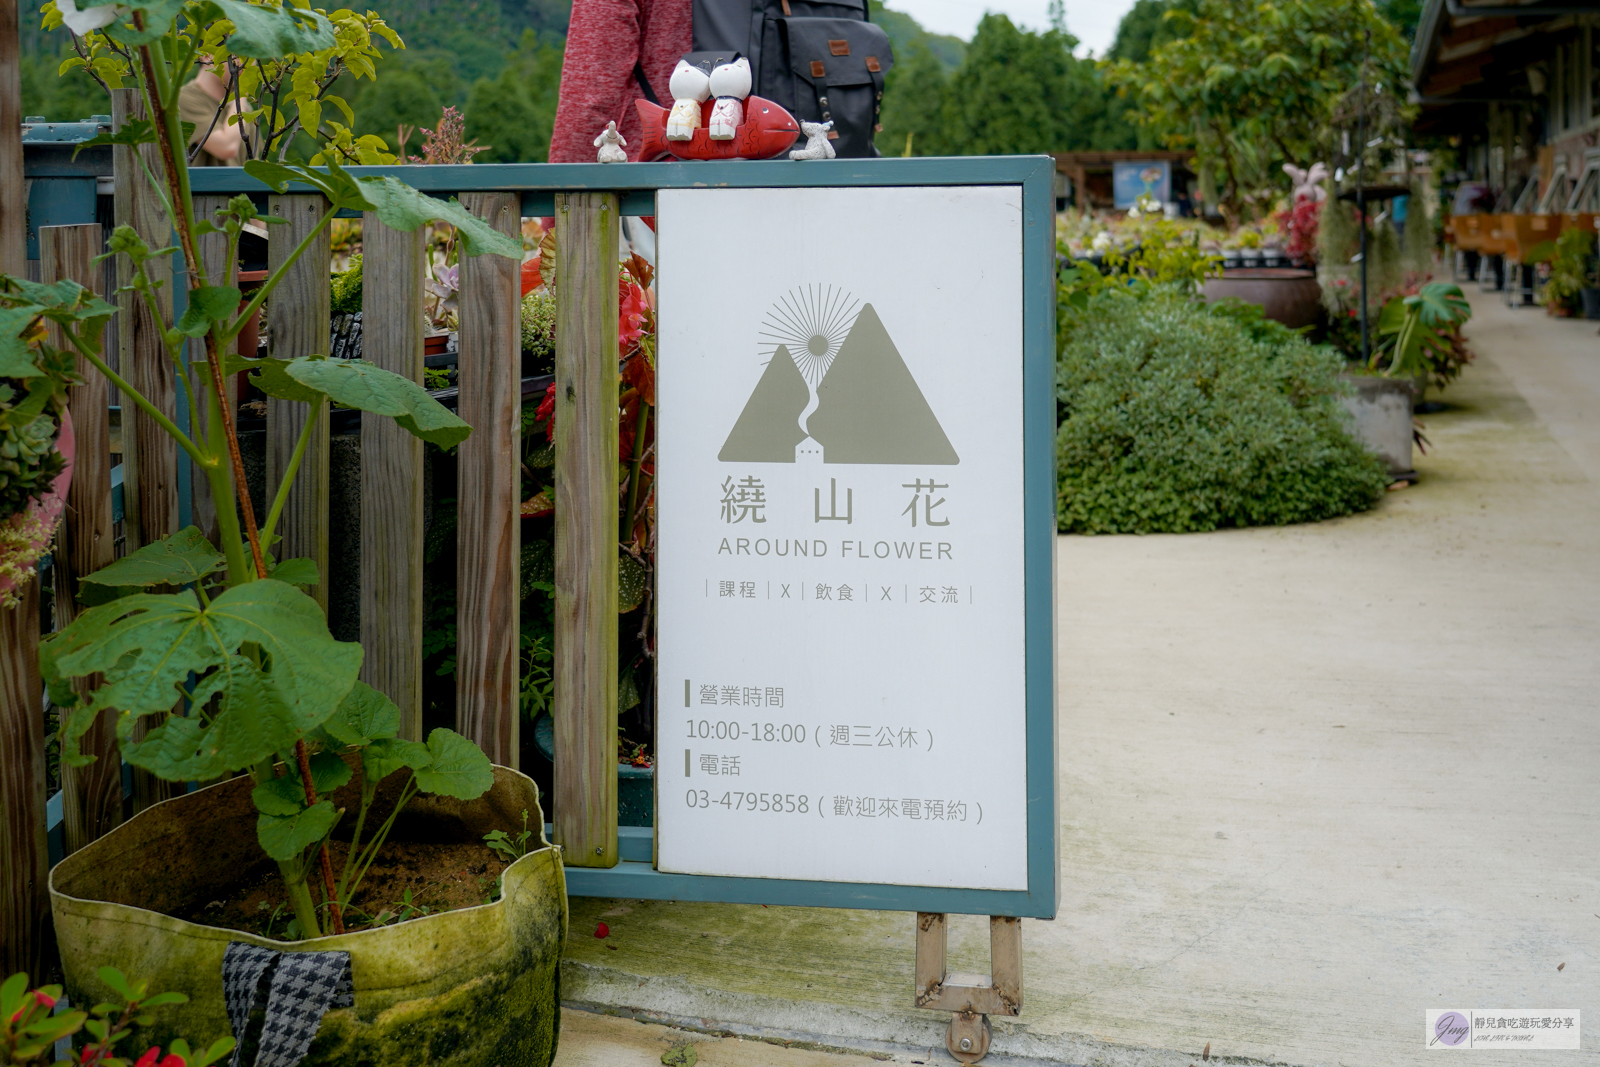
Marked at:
<point>1173,418</point>
<point>346,289</point>
<point>539,332</point>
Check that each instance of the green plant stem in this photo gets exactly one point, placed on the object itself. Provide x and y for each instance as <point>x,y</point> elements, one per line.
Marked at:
<point>382,835</point>
<point>287,483</point>
<point>369,792</point>
<point>633,469</point>
<point>222,494</point>
<point>169,132</point>
<point>139,400</point>
<point>305,909</point>
<point>261,294</point>
<point>303,758</point>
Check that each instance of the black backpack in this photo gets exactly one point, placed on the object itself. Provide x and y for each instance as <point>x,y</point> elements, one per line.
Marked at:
<point>820,59</point>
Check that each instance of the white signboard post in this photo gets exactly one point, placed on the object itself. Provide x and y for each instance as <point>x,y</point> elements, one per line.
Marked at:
<point>841,561</point>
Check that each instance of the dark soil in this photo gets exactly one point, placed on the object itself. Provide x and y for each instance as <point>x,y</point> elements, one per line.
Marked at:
<point>407,881</point>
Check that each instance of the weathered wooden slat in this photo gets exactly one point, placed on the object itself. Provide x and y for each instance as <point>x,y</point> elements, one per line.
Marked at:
<point>13,189</point>
<point>91,796</point>
<point>297,318</point>
<point>585,706</point>
<point>24,905</point>
<point>213,249</point>
<point>488,533</point>
<point>391,474</point>
<point>24,901</point>
<point>149,456</point>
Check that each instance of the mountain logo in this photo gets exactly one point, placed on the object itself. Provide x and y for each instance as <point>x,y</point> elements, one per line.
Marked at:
<point>835,390</point>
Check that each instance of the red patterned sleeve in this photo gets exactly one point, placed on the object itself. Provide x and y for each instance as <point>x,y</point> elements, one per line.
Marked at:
<point>606,39</point>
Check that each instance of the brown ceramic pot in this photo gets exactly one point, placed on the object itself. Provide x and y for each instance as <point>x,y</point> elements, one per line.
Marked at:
<point>1285,294</point>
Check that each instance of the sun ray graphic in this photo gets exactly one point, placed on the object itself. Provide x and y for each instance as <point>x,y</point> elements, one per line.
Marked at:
<point>811,322</point>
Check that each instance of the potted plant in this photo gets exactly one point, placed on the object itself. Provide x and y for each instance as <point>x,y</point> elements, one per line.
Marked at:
<point>1571,285</point>
<point>218,667</point>
<point>1417,334</point>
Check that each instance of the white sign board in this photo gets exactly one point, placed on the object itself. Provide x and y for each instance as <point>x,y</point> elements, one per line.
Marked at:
<point>840,516</point>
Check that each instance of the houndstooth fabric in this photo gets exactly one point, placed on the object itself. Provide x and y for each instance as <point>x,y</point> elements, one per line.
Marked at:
<point>243,967</point>
<point>297,987</point>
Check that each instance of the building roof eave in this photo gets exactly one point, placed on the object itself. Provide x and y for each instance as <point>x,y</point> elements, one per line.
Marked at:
<point>1422,46</point>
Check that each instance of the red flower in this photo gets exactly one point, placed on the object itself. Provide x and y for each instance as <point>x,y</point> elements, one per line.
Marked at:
<point>631,308</point>
<point>149,1058</point>
<point>547,412</point>
<point>602,930</point>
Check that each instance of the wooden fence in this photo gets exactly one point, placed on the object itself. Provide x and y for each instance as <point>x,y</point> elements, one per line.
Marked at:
<point>488,527</point>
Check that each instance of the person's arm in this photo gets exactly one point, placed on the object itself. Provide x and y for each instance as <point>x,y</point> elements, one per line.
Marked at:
<point>201,108</point>
<point>602,50</point>
<point>226,140</point>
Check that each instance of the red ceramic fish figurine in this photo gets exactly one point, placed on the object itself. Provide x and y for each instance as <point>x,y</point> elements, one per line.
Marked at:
<point>768,130</point>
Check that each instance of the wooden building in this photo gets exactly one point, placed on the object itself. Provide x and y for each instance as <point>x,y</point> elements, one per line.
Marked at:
<point>1518,84</point>
<point>1089,175</point>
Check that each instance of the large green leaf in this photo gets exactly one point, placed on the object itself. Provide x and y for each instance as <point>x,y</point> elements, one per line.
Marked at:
<point>286,794</point>
<point>368,387</point>
<point>284,837</point>
<point>16,357</point>
<point>158,17</point>
<point>261,32</point>
<point>388,754</point>
<point>458,768</point>
<point>1393,316</point>
<point>1442,304</point>
<point>271,377</point>
<point>404,208</point>
<point>263,648</point>
<point>297,571</point>
<point>334,182</point>
<point>208,304</point>
<point>364,716</point>
<point>184,557</point>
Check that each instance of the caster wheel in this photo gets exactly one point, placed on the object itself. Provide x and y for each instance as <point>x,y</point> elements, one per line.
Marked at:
<point>968,1036</point>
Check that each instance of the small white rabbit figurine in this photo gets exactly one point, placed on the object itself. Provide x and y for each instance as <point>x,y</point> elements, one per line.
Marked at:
<point>730,84</point>
<point>690,87</point>
<point>1308,183</point>
<point>817,146</point>
<point>610,143</point>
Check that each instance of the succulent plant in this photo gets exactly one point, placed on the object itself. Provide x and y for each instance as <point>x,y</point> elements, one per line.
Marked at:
<point>29,462</point>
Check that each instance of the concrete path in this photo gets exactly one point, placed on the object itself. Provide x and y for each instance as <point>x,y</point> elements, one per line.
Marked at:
<point>1315,780</point>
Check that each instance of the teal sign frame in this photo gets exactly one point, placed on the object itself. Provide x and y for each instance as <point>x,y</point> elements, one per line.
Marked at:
<point>636,184</point>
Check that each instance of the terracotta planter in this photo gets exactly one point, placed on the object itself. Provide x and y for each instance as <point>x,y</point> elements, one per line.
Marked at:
<point>1284,294</point>
<point>476,987</point>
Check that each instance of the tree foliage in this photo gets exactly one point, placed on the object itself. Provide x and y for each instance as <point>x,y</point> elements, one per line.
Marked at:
<point>1252,84</point>
<point>1016,91</point>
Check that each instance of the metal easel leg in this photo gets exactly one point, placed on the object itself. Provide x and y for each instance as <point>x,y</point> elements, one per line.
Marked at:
<point>971,998</point>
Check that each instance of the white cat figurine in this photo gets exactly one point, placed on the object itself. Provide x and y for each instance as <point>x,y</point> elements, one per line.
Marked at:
<point>817,146</point>
<point>690,87</point>
<point>730,84</point>
<point>610,143</point>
